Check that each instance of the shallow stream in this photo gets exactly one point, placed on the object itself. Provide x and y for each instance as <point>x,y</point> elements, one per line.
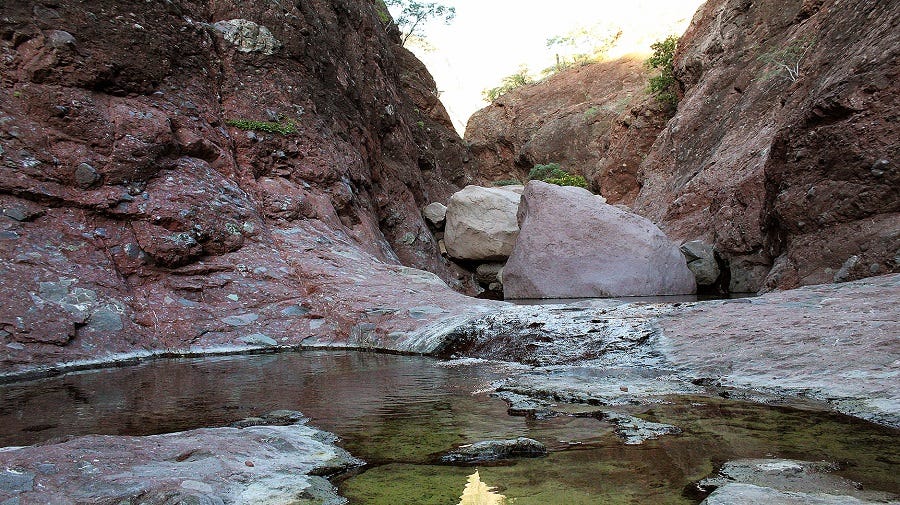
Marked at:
<point>399,413</point>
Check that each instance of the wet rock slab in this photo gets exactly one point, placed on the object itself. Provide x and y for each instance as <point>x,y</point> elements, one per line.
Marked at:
<point>748,494</point>
<point>752,481</point>
<point>256,464</point>
<point>834,345</point>
<point>495,450</point>
<point>632,430</point>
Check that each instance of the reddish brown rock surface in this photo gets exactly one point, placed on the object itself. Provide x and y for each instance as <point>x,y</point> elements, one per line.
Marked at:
<point>135,217</point>
<point>595,120</point>
<point>794,182</point>
<point>791,180</point>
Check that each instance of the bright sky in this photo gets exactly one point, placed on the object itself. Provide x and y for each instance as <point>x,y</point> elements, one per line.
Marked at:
<point>491,39</point>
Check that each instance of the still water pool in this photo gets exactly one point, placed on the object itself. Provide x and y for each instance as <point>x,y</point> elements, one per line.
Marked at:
<point>399,413</point>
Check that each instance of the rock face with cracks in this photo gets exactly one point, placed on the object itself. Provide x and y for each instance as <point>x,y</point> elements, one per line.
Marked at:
<point>574,245</point>
<point>791,175</point>
<point>595,120</point>
<point>182,175</point>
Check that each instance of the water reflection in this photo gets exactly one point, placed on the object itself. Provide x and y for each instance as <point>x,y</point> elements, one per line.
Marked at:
<point>400,414</point>
<point>479,493</point>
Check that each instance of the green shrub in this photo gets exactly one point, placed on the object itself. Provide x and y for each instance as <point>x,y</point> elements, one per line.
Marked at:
<point>567,179</point>
<point>283,128</point>
<point>507,182</point>
<point>663,59</point>
<point>508,84</point>
<point>553,174</point>
<point>541,172</point>
<point>785,61</point>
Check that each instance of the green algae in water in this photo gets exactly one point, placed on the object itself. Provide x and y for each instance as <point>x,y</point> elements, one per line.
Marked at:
<point>399,413</point>
<point>602,469</point>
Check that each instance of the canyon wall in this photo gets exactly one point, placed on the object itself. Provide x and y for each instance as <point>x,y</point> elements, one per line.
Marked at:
<point>782,153</point>
<point>793,177</point>
<point>195,174</point>
<point>595,120</point>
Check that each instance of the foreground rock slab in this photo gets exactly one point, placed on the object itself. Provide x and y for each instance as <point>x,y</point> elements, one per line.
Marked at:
<point>752,481</point>
<point>574,245</point>
<point>256,464</point>
<point>835,345</point>
<point>748,494</point>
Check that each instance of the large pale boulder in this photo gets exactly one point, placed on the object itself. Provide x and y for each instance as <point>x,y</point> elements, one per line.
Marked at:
<point>572,245</point>
<point>481,223</point>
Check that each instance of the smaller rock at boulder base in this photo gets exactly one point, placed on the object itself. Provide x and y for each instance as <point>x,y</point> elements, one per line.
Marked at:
<point>435,213</point>
<point>701,260</point>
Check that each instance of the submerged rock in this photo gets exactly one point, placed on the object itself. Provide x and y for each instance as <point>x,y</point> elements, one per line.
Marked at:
<point>574,245</point>
<point>493,450</point>
<point>634,430</point>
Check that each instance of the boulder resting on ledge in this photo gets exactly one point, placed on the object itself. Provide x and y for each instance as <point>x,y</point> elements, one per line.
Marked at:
<point>572,244</point>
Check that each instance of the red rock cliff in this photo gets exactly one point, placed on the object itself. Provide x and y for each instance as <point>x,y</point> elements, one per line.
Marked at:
<point>793,177</point>
<point>595,120</point>
<point>149,201</point>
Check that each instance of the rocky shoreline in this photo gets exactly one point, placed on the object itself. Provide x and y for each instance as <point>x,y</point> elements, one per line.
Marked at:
<point>769,348</point>
<point>600,354</point>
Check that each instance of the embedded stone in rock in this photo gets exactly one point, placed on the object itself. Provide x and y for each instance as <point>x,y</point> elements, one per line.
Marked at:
<point>86,175</point>
<point>435,213</point>
<point>493,450</point>
<point>241,320</point>
<point>702,261</point>
<point>60,38</point>
<point>13,481</point>
<point>258,339</point>
<point>248,36</point>
<point>574,245</point>
<point>481,223</point>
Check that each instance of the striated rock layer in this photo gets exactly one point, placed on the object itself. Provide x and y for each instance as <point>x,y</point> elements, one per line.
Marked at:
<point>793,177</point>
<point>195,174</point>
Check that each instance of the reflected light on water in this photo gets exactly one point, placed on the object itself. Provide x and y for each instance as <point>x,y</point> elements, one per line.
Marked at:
<point>479,493</point>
